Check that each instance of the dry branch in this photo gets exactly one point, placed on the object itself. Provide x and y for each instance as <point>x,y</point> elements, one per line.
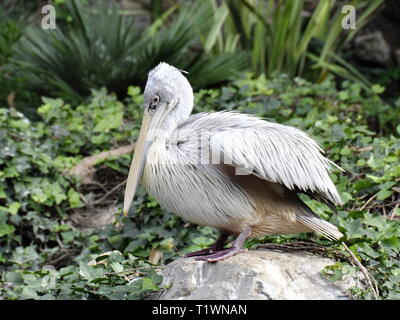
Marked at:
<point>369,278</point>
<point>84,169</point>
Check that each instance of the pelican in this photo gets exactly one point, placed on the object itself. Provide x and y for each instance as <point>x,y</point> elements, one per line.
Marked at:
<point>231,171</point>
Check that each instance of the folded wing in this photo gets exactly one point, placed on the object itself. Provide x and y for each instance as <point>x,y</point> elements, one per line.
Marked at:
<point>274,152</point>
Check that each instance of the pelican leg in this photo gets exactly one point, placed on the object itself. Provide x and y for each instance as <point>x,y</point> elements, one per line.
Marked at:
<point>230,252</point>
<point>217,246</point>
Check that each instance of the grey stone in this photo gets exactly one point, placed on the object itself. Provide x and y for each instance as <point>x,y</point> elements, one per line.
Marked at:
<point>372,47</point>
<point>254,275</point>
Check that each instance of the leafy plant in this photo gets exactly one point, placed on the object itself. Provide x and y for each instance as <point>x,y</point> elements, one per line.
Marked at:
<point>370,188</point>
<point>11,29</point>
<point>283,36</point>
<point>102,48</point>
<point>110,275</point>
<point>38,200</point>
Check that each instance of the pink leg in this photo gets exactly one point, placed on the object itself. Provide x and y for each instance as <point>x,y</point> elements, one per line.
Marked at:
<point>217,246</point>
<point>227,253</point>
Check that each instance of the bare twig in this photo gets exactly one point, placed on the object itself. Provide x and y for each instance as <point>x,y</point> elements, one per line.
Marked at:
<point>59,241</point>
<point>109,193</point>
<point>84,169</point>
<point>397,189</point>
<point>96,183</point>
<point>384,205</point>
<point>369,148</point>
<point>367,202</point>
<point>359,199</point>
<point>291,246</point>
<point>301,245</point>
<point>391,217</point>
<point>369,278</point>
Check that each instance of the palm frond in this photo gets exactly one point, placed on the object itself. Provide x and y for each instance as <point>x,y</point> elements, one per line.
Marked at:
<point>102,48</point>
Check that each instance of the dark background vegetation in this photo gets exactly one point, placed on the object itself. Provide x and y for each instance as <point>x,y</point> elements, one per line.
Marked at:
<point>70,110</point>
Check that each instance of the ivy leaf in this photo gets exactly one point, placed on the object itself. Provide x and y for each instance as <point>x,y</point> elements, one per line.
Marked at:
<point>86,271</point>
<point>6,229</point>
<point>14,207</point>
<point>38,195</point>
<point>74,199</point>
<point>3,194</point>
<point>375,221</point>
<point>383,194</point>
<point>57,192</point>
<point>117,267</point>
<point>113,121</point>
<point>392,242</point>
<point>148,284</point>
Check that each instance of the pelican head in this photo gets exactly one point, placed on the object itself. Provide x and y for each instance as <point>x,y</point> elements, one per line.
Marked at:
<point>168,100</point>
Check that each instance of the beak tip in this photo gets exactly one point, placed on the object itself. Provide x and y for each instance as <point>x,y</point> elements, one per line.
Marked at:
<point>125,211</point>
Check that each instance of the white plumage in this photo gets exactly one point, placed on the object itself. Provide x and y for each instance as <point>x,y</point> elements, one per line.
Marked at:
<point>232,171</point>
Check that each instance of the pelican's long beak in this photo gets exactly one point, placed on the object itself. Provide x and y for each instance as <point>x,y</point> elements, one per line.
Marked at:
<point>150,126</point>
<point>138,161</point>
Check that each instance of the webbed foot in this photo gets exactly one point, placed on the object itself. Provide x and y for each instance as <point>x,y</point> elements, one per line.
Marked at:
<point>221,255</point>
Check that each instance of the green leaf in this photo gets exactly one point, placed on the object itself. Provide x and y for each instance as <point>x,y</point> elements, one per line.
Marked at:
<point>117,267</point>
<point>87,272</point>
<point>377,88</point>
<point>14,207</point>
<point>392,242</point>
<point>29,293</point>
<point>3,194</point>
<point>353,228</point>
<point>108,123</point>
<point>57,192</point>
<point>38,195</point>
<point>383,194</point>
<point>363,184</point>
<point>375,221</point>
<point>133,91</point>
<point>345,151</point>
<point>364,249</point>
<point>6,229</point>
<point>203,241</point>
<point>74,199</point>
<point>148,284</point>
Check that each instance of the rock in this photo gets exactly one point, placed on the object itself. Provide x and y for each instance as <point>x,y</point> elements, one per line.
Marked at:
<point>254,275</point>
<point>372,47</point>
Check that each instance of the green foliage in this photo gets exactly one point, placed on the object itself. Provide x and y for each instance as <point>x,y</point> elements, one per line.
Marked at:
<point>45,254</point>
<point>103,48</point>
<point>110,276</point>
<point>83,129</point>
<point>281,37</point>
<point>370,186</point>
<point>11,29</point>
<point>29,181</point>
<point>37,198</point>
<point>34,193</point>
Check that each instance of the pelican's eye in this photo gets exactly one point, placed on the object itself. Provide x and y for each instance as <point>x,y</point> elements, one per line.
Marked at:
<point>154,102</point>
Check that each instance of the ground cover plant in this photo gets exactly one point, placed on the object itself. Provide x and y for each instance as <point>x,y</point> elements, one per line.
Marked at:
<point>48,252</point>
<point>70,111</point>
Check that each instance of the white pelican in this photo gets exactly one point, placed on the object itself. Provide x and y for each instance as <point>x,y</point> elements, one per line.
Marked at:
<point>232,171</point>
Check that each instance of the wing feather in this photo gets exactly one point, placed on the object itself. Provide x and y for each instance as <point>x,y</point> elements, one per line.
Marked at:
<point>271,151</point>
